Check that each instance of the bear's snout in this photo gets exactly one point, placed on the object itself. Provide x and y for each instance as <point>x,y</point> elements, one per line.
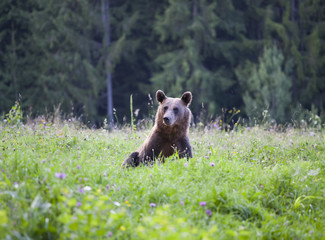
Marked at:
<point>167,120</point>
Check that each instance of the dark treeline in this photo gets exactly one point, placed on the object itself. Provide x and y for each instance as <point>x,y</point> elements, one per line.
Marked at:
<point>248,54</point>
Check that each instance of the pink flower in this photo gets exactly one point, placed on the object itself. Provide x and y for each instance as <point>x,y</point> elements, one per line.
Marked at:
<point>203,204</point>
<point>152,205</point>
<point>60,175</point>
<point>208,212</point>
<point>212,164</point>
<point>81,190</point>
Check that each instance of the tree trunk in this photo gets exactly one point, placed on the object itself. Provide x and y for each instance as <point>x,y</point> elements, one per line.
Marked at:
<point>13,59</point>
<point>107,43</point>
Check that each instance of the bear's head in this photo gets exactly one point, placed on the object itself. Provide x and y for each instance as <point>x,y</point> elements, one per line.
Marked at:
<point>173,111</point>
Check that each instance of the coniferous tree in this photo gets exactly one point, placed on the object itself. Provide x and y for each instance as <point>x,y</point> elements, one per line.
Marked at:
<point>296,26</point>
<point>192,57</point>
<point>15,64</point>
<point>267,86</point>
<point>68,46</point>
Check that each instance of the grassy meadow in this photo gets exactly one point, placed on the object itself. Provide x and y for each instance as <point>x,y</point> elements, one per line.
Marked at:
<point>62,181</point>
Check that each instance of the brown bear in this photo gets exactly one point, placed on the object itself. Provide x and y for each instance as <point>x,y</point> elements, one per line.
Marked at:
<point>169,134</point>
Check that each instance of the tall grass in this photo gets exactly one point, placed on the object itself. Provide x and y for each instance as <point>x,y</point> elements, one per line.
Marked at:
<point>61,181</point>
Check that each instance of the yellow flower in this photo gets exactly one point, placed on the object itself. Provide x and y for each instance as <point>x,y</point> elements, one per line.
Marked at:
<point>316,179</point>
<point>122,228</point>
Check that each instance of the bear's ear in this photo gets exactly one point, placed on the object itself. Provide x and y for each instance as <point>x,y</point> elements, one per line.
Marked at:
<point>187,98</point>
<point>160,96</point>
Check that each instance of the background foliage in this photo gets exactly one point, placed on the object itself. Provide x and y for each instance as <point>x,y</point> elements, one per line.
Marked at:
<point>251,54</point>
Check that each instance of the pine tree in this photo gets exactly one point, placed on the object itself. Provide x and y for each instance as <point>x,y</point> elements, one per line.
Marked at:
<point>14,44</point>
<point>296,26</point>
<point>267,86</point>
<point>187,31</point>
<point>201,43</point>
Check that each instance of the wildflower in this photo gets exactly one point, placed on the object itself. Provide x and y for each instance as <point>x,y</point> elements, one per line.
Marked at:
<point>85,179</point>
<point>127,202</point>
<point>118,189</point>
<point>117,204</point>
<point>87,188</point>
<point>107,186</point>
<point>312,134</point>
<point>212,164</point>
<point>122,228</point>
<point>185,164</point>
<point>60,175</point>
<point>80,179</point>
<point>79,204</point>
<point>208,212</point>
<point>109,234</point>
<point>16,185</point>
<point>248,128</point>
<point>78,166</point>
<point>182,202</point>
<point>43,161</point>
<point>203,204</point>
<point>105,174</point>
<point>152,205</point>
<point>81,190</point>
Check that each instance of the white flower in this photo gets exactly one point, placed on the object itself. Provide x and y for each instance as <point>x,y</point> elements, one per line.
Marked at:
<point>87,188</point>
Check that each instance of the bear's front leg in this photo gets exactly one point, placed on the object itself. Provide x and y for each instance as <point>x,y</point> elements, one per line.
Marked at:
<point>132,161</point>
<point>185,149</point>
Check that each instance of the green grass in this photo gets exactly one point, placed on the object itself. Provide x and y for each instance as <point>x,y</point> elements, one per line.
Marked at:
<point>263,185</point>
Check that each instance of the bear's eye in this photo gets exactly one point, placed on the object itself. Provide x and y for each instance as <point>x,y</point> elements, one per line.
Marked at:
<point>165,109</point>
<point>175,110</point>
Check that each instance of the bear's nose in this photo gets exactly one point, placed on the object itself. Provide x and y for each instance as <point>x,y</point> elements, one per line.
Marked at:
<point>166,120</point>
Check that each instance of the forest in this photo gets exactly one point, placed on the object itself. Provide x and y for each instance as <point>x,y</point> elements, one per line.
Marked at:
<point>93,59</point>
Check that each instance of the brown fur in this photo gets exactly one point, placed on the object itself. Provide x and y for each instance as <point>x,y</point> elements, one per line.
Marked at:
<point>170,132</point>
